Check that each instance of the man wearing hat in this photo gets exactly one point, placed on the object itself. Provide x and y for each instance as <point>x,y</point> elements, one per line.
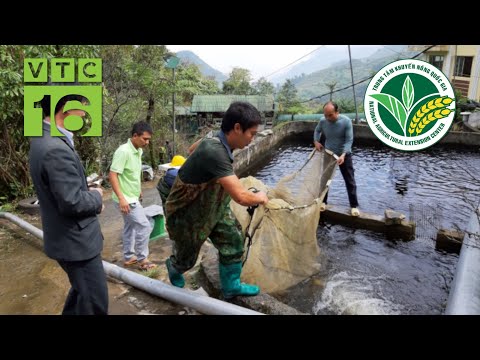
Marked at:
<point>198,206</point>
<point>166,182</point>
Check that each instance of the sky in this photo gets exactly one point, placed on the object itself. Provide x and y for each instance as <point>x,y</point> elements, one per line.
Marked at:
<point>261,60</point>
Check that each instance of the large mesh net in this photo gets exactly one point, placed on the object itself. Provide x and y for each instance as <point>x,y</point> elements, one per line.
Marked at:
<point>284,248</point>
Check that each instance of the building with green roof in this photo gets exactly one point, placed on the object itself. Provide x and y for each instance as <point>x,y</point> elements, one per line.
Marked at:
<point>210,108</point>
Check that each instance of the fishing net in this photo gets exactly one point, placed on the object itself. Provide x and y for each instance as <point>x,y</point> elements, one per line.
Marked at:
<point>284,248</point>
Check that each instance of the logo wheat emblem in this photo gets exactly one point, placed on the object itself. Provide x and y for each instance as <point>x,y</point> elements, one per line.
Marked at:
<point>409,105</point>
<point>431,111</point>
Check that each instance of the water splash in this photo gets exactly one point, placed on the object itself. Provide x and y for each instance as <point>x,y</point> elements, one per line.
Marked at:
<point>349,294</point>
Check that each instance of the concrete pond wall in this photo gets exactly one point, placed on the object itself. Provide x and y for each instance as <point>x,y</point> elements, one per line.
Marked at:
<point>264,145</point>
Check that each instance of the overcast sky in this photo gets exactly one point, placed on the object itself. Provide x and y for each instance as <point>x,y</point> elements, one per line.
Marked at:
<point>261,60</point>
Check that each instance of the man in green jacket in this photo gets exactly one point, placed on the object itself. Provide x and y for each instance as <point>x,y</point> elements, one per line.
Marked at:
<point>198,206</point>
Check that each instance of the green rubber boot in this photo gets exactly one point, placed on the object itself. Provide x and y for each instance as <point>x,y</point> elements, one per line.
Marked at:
<point>230,279</point>
<point>176,278</point>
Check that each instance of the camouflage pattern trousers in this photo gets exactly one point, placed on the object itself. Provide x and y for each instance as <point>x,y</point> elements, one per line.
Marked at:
<point>209,216</point>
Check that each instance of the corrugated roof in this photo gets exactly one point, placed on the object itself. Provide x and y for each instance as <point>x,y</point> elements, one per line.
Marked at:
<point>220,103</point>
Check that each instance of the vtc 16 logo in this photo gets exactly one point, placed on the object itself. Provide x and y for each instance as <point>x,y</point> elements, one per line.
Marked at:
<point>63,71</point>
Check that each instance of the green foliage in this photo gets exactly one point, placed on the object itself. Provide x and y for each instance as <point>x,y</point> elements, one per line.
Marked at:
<point>151,80</point>
<point>298,109</point>
<point>345,106</point>
<point>460,100</point>
<point>6,207</point>
<point>122,105</point>
<point>288,96</point>
<point>88,152</point>
<point>263,87</point>
<point>315,84</point>
<point>152,273</point>
<point>331,87</point>
<point>238,83</point>
<point>190,82</point>
<point>14,175</point>
<point>137,86</point>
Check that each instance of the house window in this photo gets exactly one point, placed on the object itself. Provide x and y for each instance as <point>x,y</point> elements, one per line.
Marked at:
<point>437,61</point>
<point>463,66</point>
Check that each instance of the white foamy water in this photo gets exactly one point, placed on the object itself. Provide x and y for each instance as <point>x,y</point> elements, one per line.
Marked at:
<point>350,294</point>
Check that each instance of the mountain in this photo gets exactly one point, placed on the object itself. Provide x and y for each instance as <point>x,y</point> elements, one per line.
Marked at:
<point>208,71</point>
<point>400,51</point>
<point>324,57</point>
<point>314,84</point>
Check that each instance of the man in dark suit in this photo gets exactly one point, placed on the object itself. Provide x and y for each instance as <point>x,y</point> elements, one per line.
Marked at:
<point>69,209</point>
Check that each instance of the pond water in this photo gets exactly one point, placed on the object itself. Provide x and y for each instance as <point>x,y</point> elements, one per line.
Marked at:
<point>364,273</point>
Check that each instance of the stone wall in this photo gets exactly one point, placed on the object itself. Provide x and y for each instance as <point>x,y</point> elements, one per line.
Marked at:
<point>461,138</point>
<point>266,142</point>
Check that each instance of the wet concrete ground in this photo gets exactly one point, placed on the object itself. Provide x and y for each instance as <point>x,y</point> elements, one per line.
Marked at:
<point>31,283</point>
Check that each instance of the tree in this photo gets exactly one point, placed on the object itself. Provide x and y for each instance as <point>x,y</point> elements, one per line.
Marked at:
<point>346,105</point>
<point>190,82</point>
<point>288,95</point>
<point>238,82</point>
<point>152,80</point>
<point>264,87</point>
<point>331,86</point>
<point>120,101</point>
<point>14,174</point>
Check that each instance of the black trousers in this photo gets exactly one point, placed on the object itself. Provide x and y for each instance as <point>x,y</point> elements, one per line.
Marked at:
<point>89,292</point>
<point>348,174</point>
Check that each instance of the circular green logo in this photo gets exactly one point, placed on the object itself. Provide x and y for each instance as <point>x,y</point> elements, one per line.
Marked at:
<point>409,105</point>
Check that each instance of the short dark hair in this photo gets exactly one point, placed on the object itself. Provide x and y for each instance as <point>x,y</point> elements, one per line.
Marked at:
<point>335,106</point>
<point>140,127</point>
<point>243,113</point>
<point>45,103</point>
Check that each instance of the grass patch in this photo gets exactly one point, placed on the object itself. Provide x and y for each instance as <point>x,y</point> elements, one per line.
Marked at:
<point>7,207</point>
<point>152,273</point>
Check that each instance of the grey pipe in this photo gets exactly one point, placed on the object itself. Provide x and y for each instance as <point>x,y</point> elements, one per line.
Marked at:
<point>201,303</point>
<point>464,297</point>
<point>23,224</point>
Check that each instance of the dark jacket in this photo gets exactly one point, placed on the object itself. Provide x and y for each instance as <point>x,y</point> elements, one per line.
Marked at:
<point>166,182</point>
<point>71,231</point>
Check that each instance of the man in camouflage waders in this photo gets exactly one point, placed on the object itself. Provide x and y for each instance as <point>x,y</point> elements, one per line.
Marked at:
<point>198,204</point>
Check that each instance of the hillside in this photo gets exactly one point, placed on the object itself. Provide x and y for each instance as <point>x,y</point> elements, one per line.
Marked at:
<point>208,71</point>
<point>328,55</point>
<point>314,84</point>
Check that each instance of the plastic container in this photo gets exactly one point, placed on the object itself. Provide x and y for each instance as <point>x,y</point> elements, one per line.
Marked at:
<point>159,230</point>
<point>155,214</point>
